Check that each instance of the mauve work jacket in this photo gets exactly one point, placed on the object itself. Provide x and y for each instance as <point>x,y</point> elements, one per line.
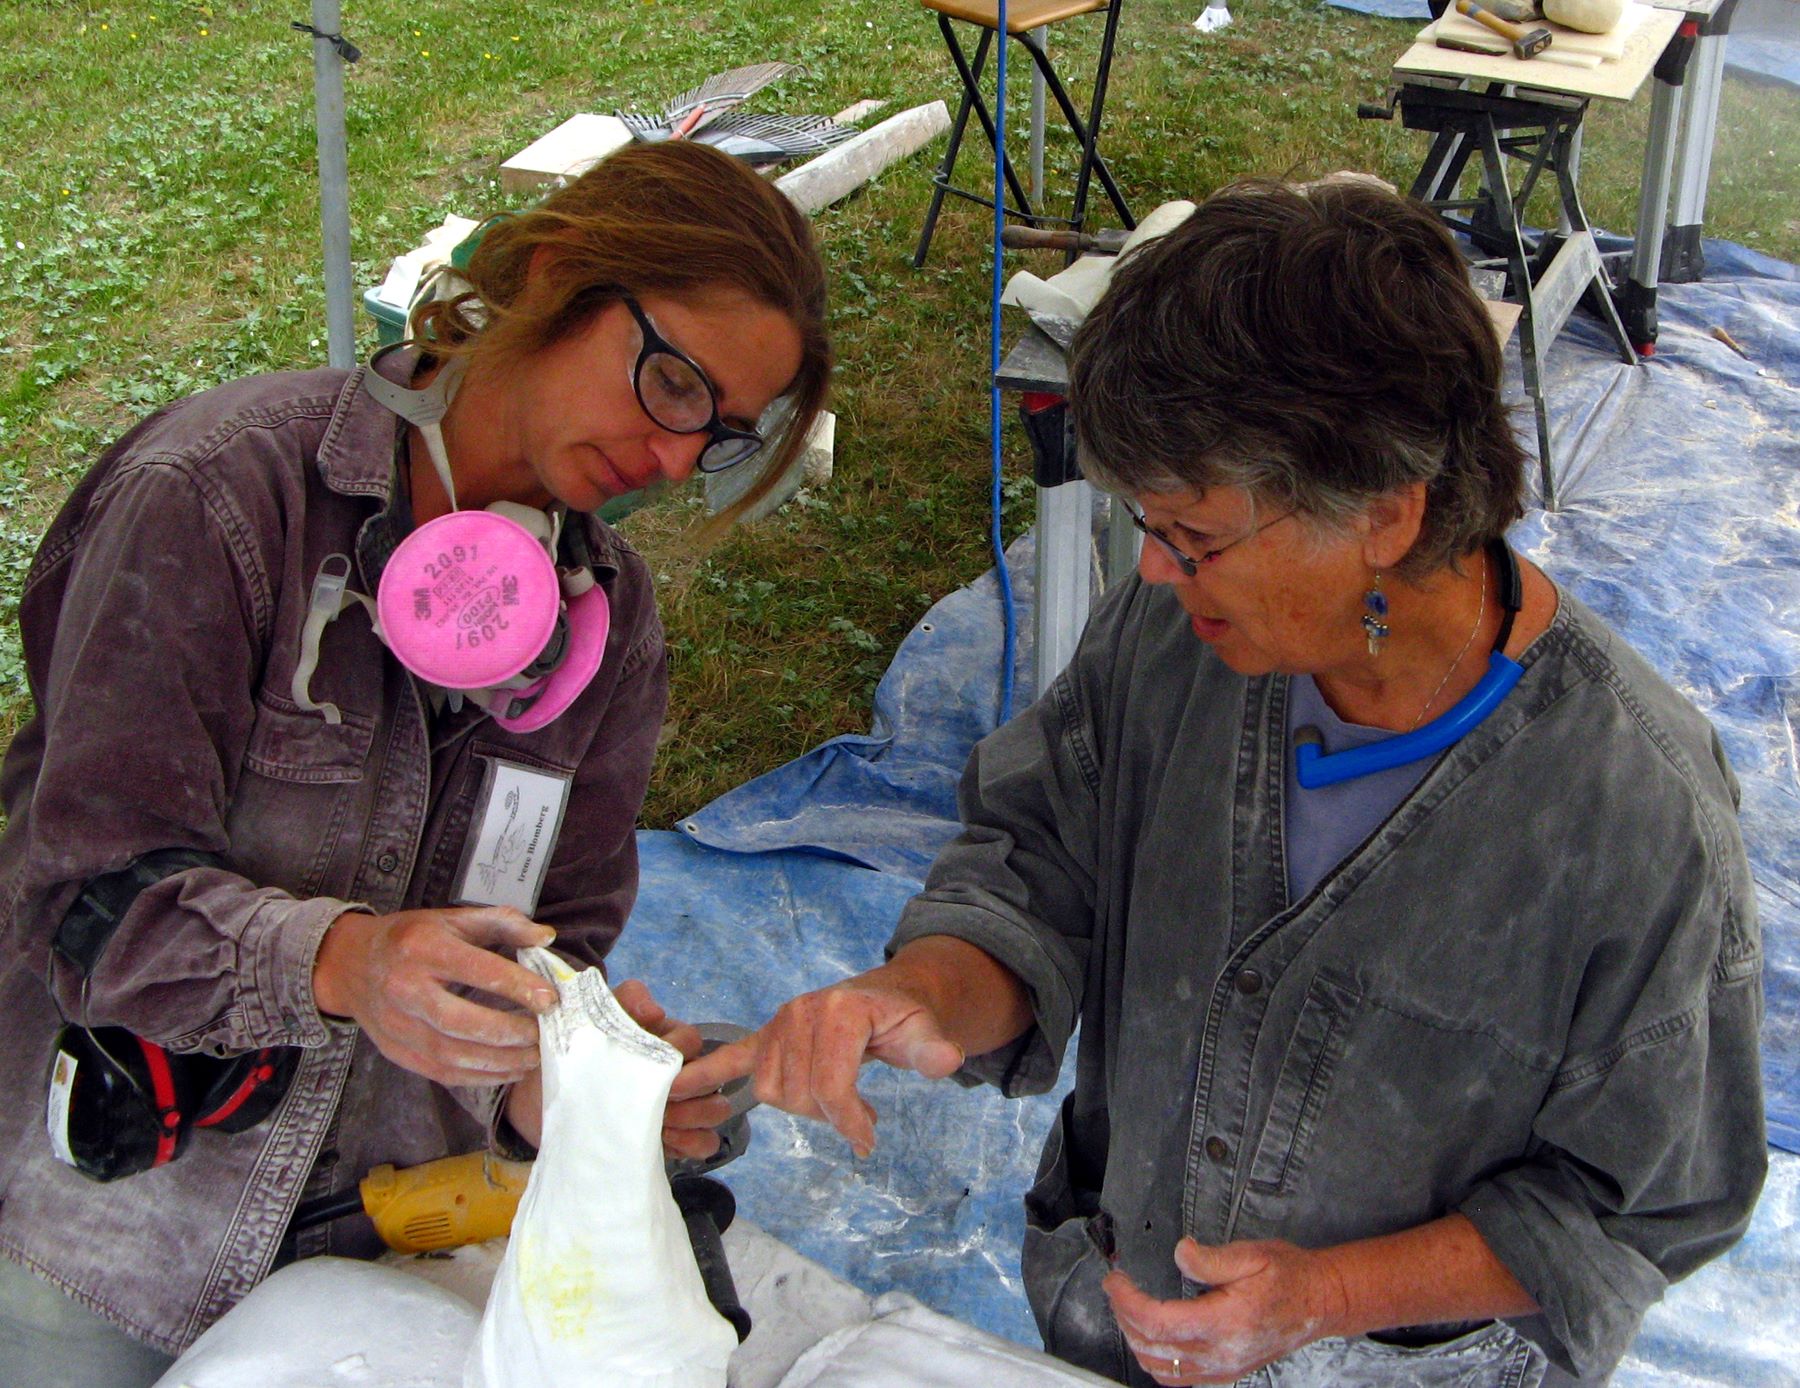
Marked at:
<point>162,623</point>
<point>1531,995</point>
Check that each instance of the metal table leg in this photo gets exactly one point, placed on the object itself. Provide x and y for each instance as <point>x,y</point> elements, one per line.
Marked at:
<point>1065,540</point>
<point>1637,296</point>
<point>1683,259</point>
<point>1123,543</point>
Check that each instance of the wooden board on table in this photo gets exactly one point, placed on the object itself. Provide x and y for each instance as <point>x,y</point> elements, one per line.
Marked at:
<point>1609,47</point>
<point>1615,81</point>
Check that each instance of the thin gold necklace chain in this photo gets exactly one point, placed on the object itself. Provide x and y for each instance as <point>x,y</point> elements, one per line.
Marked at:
<point>1480,612</point>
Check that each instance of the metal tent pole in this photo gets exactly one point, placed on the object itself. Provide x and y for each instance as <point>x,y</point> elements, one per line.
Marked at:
<point>334,182</point>
<point>1041,35</point>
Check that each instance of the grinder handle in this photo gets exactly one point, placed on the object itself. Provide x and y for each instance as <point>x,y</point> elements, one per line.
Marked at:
<point>707,1208</point>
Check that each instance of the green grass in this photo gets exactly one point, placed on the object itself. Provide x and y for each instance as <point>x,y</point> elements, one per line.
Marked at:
<point>159,233</point>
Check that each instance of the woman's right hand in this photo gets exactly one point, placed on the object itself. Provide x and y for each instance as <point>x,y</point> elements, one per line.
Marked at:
<point>396,976</point>
<point>805,1060</point>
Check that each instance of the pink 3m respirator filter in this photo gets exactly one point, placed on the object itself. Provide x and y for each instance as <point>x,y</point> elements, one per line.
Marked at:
<point>471,602</point>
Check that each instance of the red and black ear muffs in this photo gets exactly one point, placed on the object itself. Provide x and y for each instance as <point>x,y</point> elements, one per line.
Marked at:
<point>119,1104</point>
<point>244,1089</point>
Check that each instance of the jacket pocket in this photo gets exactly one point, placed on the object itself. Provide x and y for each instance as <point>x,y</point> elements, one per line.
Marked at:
<point>1493,1355</point>
<point>1062,1265</point>
<point>299,789</point>
<point>1305,1079</point>
<point>287,743</point>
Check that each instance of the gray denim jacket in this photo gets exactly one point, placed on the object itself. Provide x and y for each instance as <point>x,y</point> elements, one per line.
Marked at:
<point>162,623</point>
<point>1532,995</point>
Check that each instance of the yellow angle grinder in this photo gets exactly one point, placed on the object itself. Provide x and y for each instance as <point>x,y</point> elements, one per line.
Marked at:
<point>436,1205</point>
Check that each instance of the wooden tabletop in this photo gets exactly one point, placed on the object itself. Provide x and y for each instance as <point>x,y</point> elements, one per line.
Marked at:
<point>1612,81</point>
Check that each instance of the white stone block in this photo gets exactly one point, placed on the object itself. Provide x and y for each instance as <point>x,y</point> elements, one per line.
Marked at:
<point>566,152</point>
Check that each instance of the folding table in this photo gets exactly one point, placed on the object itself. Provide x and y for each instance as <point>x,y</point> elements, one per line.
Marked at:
<point>1500,111</point>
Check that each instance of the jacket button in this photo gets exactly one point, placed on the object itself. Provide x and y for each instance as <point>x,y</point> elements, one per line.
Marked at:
<point>1216,1149</point>
<point>1249,981</point>
<point>388,861</point>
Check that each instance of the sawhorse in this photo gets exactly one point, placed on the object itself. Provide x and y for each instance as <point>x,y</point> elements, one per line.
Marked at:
<point>1501,115</point>
<point>1547,273</point>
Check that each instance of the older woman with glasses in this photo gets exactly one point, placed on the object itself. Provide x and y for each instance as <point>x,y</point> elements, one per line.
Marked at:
<point>1399,905</point>
<point>343,693</point>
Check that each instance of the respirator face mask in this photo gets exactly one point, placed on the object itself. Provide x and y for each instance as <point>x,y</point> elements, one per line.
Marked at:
<point>473,602</point>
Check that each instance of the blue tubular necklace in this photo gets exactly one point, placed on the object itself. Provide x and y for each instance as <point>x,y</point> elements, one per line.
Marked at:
<point>1316,768</point>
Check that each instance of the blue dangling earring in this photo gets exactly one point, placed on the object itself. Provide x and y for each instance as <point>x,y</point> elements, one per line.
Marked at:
<point>1374,618</point>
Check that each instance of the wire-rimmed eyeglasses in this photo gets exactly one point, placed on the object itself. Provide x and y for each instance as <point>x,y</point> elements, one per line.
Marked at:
<point>1187,563</point>
<point>677,396</point>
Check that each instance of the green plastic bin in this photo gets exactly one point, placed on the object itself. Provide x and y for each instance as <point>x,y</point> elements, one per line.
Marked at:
<point>390,322</point>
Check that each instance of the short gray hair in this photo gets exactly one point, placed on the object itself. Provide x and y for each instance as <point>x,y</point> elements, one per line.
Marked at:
<point>1319,347</point>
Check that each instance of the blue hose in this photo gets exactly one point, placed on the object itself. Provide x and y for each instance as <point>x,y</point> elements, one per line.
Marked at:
<point>995,414</point>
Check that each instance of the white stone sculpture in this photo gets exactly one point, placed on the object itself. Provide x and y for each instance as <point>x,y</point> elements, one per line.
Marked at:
<point>1589,16</point>
<point>599,1283</point>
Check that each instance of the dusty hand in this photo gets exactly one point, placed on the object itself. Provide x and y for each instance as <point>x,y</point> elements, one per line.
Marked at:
<point>1266,1299</point>
<point>396,977</point>
<point>806,1058</point>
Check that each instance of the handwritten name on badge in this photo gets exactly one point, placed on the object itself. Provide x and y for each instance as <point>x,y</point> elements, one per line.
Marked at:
<point>518,815</point>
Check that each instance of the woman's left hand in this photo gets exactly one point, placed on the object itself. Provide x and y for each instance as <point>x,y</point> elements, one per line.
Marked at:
<point>688,1125</point>
<point>1265,1299</point>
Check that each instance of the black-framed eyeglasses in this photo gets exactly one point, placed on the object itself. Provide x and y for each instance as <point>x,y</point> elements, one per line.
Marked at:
<point>1187,563</point>
<point>677,396</point>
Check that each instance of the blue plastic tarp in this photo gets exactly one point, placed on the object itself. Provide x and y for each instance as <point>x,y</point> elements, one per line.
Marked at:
<point>1765,57</point>
<point>1416,10</point>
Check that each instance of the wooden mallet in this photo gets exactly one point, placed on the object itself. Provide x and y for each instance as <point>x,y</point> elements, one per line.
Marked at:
<point>1526,43</point>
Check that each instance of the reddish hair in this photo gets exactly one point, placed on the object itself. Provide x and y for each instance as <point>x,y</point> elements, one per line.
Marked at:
<point>678,219</point>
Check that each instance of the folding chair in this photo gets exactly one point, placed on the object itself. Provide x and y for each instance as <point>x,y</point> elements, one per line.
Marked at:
<point>1023,16</point>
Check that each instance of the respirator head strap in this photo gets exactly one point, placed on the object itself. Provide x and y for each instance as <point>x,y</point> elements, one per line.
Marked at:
<point>424,407</point>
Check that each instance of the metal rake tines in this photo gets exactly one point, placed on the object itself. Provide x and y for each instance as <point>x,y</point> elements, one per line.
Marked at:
<point>762,139</point>
<point>768,138</point>
<point>726,89</point>
<point>646,128</point>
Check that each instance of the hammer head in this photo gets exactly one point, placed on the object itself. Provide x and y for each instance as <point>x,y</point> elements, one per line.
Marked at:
<point>1531,43</point>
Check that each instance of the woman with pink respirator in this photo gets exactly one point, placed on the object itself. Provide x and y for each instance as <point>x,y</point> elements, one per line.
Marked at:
<point>343,694</point>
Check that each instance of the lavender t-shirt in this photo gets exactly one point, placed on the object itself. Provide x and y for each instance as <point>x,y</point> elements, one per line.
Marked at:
<point>1324,826</point>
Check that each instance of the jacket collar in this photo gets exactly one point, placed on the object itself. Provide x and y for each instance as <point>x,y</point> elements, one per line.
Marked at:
<point>361,446</point>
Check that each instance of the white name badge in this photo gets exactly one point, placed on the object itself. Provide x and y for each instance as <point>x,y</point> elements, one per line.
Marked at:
<point>518,814</point>
<point>56,1116</point>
